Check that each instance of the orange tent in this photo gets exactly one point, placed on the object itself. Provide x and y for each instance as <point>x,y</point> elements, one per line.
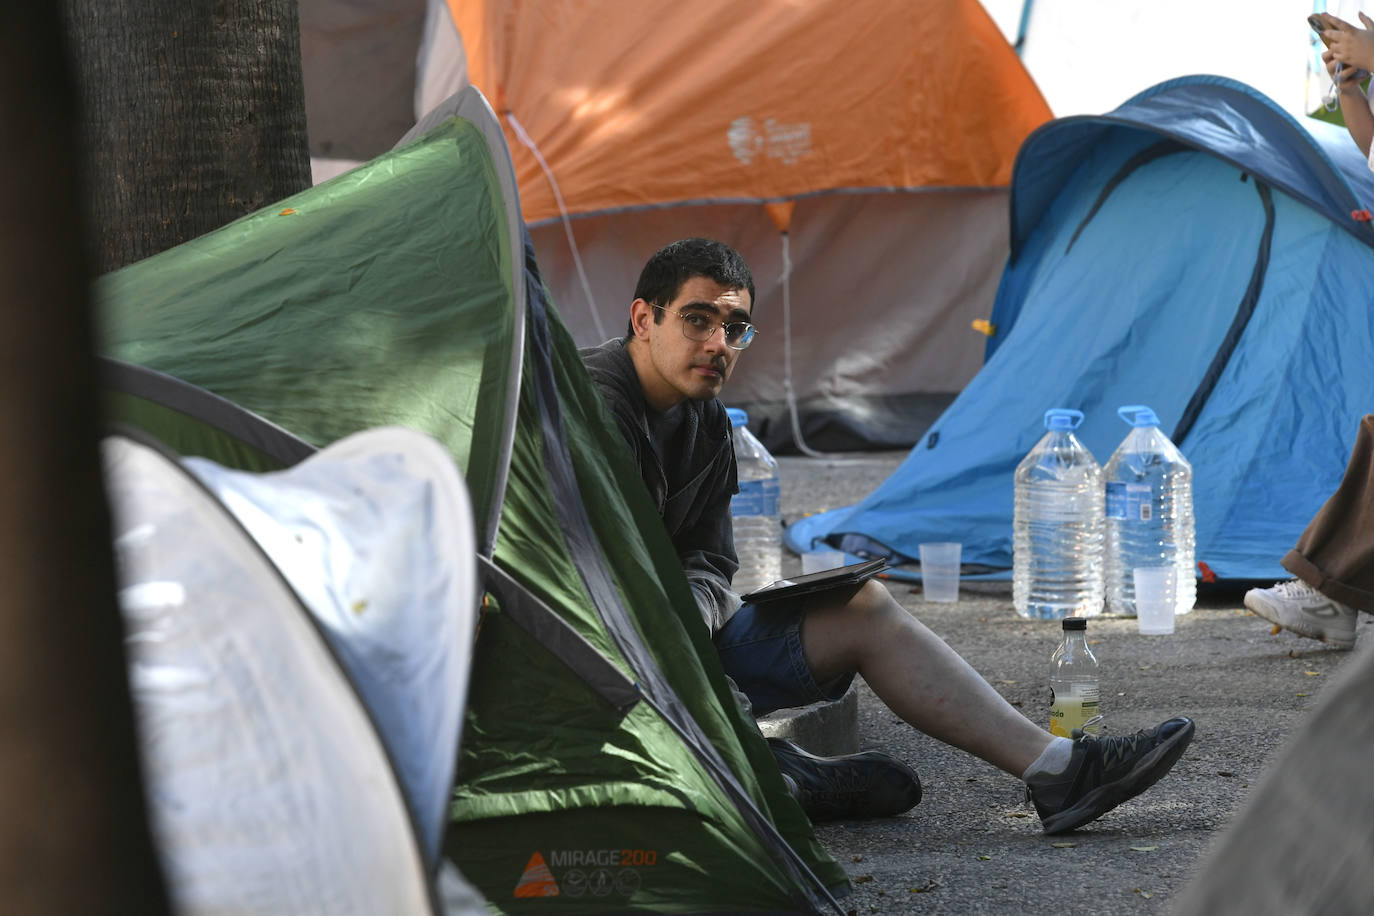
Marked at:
<point>878,135</point>
<point>640,104</point>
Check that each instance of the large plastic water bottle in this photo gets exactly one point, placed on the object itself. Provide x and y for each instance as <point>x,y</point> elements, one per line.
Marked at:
<point>1057,525</point>
<point>1149,507</point>
<point>754,509</point>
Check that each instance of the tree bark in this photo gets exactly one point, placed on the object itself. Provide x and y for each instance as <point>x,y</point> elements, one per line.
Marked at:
<point>194,114</point>
<point>74,835</point>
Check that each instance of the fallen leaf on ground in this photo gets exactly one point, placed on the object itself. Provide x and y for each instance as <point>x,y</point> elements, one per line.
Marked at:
<point>1226,773</point>
<point>930,885</point>
<point>1275,631</point>
<point>985,858</point>
<point>862,879</point>
<point>1313,673</point>
<point>1064,845</point>
<point>1144,848</point>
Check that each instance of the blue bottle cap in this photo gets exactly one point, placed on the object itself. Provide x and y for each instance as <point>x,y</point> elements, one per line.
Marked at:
<point>737,415</point>
<point>1138,415</point>
<point>1062,418</point>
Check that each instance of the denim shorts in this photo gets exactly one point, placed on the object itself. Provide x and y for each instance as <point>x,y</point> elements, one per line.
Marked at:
<point>761,650</point>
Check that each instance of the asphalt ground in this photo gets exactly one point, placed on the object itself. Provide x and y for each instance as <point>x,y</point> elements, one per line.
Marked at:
<point>974,845</point>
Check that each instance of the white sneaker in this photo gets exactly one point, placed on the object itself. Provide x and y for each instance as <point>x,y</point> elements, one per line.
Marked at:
<point>1297,606</point>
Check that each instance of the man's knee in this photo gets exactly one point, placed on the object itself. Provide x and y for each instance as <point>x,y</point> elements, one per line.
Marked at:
<point>843,625</point>
<point>873,605</point>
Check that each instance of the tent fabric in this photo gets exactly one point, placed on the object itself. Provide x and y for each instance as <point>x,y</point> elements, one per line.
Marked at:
<point>192,421</point>
<point>375,534</point>
<point>1310,161</point>
<point>359,64</point>
<point>371,241</point>
<point>714,101</point>
<point>884,287</point>
<point>393,295</point>
<point>1195,251</point>
<point>270,789</point>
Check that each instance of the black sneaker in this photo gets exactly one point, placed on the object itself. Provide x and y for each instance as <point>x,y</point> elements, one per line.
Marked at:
<point>870,784</point>
<point>1104,772</point>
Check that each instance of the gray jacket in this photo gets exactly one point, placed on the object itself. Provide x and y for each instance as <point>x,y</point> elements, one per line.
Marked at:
<point>691,489</point>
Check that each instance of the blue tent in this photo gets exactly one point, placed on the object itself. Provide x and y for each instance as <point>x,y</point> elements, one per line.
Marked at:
<point>1197,250</point>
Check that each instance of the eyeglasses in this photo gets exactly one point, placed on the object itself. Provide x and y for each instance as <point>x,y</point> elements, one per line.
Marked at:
<point>696,326</point>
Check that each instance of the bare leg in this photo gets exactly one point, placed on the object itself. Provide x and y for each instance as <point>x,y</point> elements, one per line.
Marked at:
<point>918,676</point>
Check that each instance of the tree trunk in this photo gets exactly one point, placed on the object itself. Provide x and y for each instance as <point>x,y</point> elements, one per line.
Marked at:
<point>194,115</point>
<point>74,836</point>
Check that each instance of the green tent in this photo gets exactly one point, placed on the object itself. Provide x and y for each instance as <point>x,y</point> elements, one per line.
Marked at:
<point>604,763</point>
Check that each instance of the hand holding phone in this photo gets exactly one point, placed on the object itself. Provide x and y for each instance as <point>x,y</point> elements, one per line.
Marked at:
<point>1350,46</point>
<point>1325,25</point>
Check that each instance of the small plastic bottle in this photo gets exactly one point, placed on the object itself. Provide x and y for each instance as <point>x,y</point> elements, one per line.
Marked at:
<point>1074,691</point>
<point>754,509</point>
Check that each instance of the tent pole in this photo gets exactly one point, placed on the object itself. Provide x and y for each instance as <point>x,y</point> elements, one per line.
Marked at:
<point>526,139</point>
<point>1023,27</point>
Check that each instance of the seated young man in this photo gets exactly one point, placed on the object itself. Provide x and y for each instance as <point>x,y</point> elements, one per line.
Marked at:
<point>689,322</point>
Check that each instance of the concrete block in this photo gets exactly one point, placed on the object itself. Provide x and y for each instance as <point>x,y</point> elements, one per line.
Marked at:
<point>826,729</point>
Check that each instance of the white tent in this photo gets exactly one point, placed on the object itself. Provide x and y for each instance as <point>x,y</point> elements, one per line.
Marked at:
<point>299,645</point>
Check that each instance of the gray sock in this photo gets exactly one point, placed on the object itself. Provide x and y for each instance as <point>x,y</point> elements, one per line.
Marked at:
<point>1053,760</point>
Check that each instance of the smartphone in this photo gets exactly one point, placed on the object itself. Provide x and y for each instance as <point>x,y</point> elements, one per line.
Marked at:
<point>1319,26</point>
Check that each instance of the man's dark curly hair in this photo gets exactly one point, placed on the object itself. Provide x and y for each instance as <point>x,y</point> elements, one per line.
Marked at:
<point>673,265</point>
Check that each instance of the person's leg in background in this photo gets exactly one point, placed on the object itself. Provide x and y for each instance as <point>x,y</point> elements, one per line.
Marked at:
<point>1333,559</point>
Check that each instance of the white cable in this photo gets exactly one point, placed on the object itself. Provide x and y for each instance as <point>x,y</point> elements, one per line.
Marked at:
<point>787,350</point>
<point>1333,98</point>
<point>567,223</point>
<point>831,460</point>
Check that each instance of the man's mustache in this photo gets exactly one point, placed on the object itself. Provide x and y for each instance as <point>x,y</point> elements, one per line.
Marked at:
<point>718,363</point>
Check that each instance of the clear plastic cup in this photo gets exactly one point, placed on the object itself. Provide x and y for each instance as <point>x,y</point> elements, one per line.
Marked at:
<point>940,570</point>
<point>1156,599</point>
